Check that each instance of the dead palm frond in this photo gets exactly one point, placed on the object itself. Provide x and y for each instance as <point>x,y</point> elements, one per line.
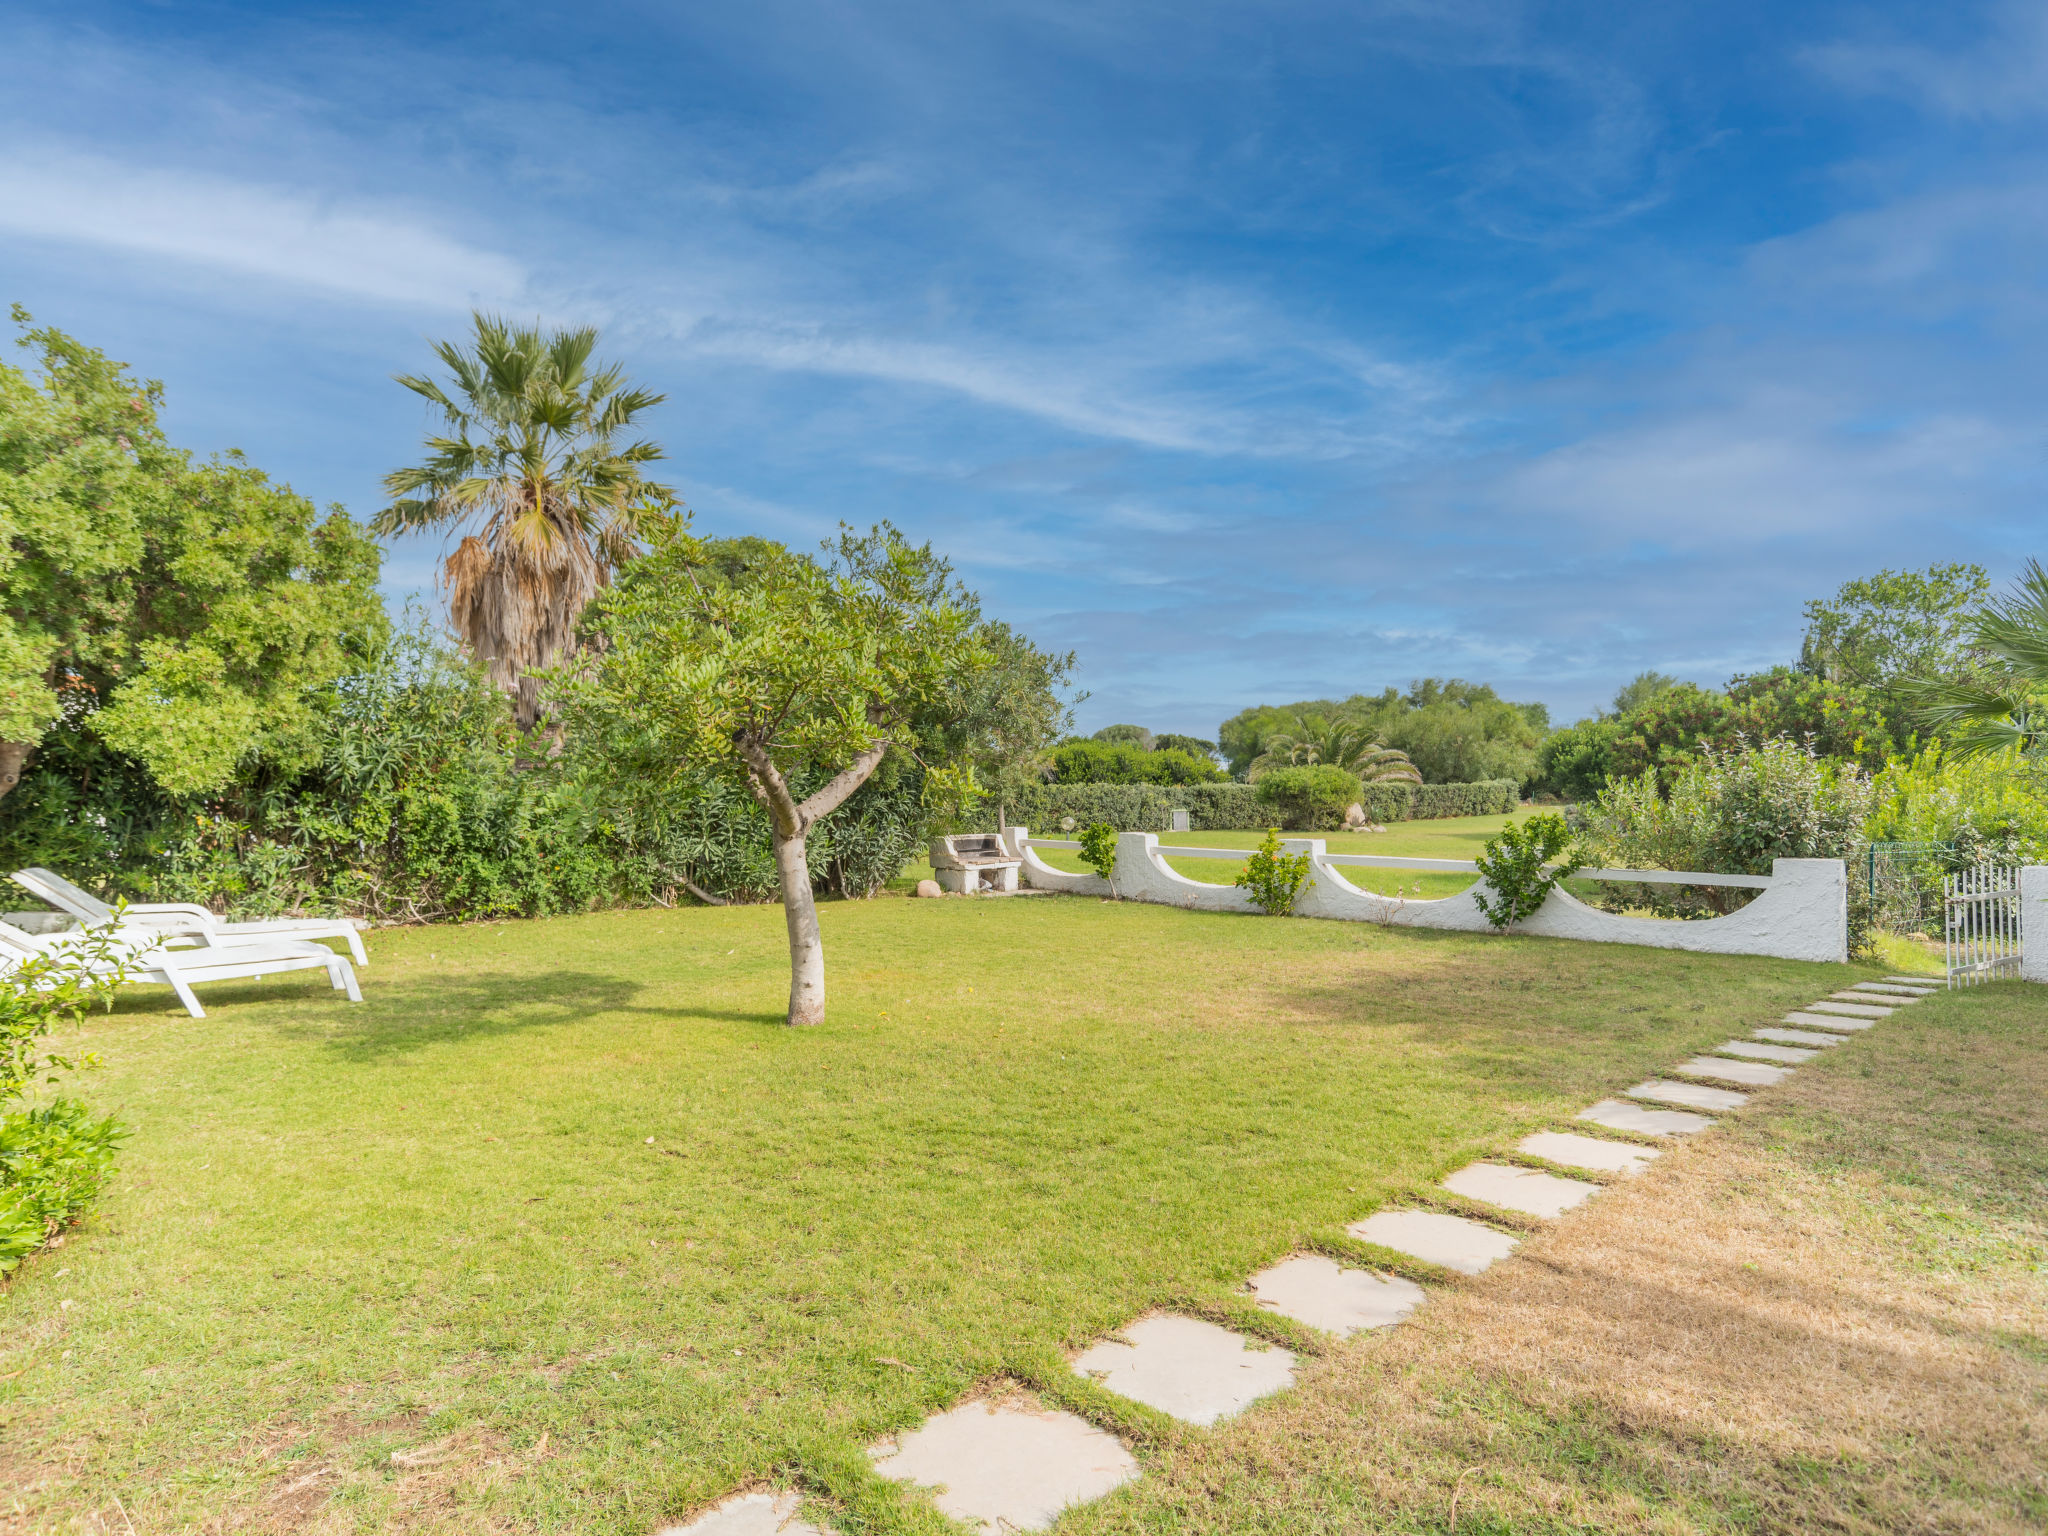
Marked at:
<point>531,469</point>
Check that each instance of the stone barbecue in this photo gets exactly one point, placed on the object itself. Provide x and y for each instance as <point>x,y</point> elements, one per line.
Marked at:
<point>973,861</point>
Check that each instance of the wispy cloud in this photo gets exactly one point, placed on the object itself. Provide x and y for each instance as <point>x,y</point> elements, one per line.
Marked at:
<point>2002,73</point>
<point>294,237</point>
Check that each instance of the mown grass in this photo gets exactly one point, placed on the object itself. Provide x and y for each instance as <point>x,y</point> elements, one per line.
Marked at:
<point>561,1230</point>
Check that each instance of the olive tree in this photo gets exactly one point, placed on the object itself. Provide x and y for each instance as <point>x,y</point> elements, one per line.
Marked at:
<point>761,667</point>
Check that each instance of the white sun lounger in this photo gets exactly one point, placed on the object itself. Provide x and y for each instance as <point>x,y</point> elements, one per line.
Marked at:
<point>183,920</point>
<point>182,969</point>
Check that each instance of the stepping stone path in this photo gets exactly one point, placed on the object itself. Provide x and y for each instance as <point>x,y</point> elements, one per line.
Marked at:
<point>1620,1115</point>
<point>1753,1074</point>
<point>1452,1241</point>
<point>1013,1466</point>
<point>1586,1152</point>
<point>1797,1036</point>
<point>1689,1094</point>
<point>1006,1467</point>
<point>1758,1052</point>
<point>749,1514</point>
<point>1189,1368</point>
<point>1319,1291</point>
<point>1827,1020</point>
<point>1520,1189</point>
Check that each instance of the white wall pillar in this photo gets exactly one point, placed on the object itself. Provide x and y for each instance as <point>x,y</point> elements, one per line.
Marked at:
<point>2034,922</point>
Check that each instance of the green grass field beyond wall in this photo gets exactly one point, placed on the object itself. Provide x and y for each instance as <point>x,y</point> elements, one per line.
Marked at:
<point>572,1179</point>
<point>1454,837</point>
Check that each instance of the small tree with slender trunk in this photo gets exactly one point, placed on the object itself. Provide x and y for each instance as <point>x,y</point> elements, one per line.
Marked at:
<point>785,666</point>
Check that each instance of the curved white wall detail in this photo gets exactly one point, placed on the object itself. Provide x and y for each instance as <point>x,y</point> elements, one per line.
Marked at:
<point>1802,915</point>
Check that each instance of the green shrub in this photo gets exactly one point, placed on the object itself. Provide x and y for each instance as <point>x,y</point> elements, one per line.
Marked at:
<point>1521,867</point>
<point>55,1160</point>
<point>1233,807</point>
<point>1127,762</point>
<point>1488,797</point>
<point>1730,813</point>
<point>1098,850</point>
<point>1309,799</point>
<point>1274,878</point>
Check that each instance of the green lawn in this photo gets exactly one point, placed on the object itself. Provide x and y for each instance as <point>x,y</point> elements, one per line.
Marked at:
<point>564,1217</point>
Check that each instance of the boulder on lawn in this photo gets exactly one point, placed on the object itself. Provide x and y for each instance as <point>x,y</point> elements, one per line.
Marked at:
<point>929,888</point>
<point>1354,817</point>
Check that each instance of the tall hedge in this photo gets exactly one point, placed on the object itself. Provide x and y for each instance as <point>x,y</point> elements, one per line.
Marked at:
<point>1235,807</point>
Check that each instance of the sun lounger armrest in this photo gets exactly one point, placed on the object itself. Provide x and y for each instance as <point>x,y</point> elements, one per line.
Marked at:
<point>197,913</point>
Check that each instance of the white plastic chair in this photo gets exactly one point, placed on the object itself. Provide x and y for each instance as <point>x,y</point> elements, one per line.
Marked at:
<point>183,920</point>
<point>182,969</point>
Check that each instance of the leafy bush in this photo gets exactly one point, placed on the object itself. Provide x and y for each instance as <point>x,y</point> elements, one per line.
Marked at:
<point>427,804</point>
<point>1125,762</point>
<point>1487,797</point>
<point>1990,809</point>
<point>1309,799</point>
<point>1274,878</point>
<point>1098,850</point>
<point>1729,813</point>
<point>1521,867</point>
<point>54,1159</point>
<point>1453,731</point>
<point>1234,807</point>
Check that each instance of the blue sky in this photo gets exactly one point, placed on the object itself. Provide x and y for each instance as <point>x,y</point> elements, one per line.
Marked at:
<point>1253,352</point>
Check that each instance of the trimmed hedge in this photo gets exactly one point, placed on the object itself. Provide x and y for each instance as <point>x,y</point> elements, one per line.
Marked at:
<point>1235,807</point>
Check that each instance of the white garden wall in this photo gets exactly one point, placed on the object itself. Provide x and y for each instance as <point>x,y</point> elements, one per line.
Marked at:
<point>1802,914</point>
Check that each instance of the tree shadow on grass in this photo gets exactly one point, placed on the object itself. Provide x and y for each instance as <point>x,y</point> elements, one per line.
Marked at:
<point>434,1010</point>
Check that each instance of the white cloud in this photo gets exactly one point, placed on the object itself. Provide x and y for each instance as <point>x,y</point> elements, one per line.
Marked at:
<point>287,236</point>
<point>2003,76</point>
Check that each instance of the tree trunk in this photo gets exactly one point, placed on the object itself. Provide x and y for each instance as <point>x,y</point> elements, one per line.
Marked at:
<point>14,757</point>
<point>792,822</point>
<point>806,944</point>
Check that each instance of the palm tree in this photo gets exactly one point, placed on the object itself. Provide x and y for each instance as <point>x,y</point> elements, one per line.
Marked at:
<point>2008,710</point>
<point>532,469</point>
<point>1343,742</point>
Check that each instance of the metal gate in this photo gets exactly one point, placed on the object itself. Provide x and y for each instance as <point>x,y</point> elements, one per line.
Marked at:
<point>1981,908</point>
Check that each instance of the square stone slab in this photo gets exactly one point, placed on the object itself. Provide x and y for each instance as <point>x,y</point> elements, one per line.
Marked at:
<point>1665,1092</point>
<point>1797,1036</point>
<point>1827,1020</point>
<point>1891,989</point>
<point>1620,1115</point>
<point>749,1514</point>
<point>1586,1151</point>
<point>1006,1467</point>
<point>1757,1052</point>
<point>1319,1291</point>
<point>1189,1368</point>
<point>1932,983</point>
<point>1452,1241</point>
<point>1880,999</point>
<point>1850,1010</point>
<point>1520,1189</point>
<point>1752,1074</point>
